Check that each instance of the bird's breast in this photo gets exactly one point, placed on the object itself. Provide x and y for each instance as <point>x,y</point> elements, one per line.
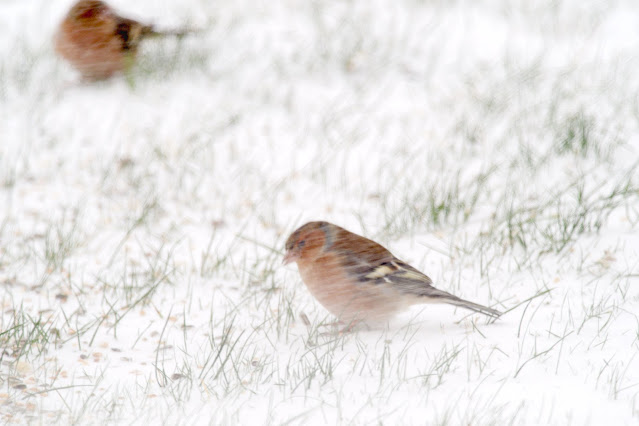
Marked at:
<point>348,298</point>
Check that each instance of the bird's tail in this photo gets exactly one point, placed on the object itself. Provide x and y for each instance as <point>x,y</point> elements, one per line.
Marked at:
<point>456,301</point>
<point>151,31</point>
<point>438,296</point>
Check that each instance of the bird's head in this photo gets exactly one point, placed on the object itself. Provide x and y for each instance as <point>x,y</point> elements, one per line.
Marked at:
<point>90,10</point>
<point>307,242</point>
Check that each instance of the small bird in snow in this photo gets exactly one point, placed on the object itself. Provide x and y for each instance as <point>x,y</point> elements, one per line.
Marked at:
<point>357,279</point>
<point>98,42</point>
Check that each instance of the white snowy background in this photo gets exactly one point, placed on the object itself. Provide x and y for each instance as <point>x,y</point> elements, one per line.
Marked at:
<point>493,144</point>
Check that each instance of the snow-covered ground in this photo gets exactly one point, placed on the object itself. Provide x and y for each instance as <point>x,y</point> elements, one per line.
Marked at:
<point>492,144</point>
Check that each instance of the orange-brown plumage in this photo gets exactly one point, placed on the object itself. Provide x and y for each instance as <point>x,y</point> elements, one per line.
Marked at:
<point>357,279</point>
<point>98,42</point>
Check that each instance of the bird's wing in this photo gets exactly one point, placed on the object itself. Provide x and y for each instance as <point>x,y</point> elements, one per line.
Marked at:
<point>130,32</point>
<point>404,278</point>
<point>409,280</point>
<point>373,263</point>
<point>370,263</point>
<point>358,255</point>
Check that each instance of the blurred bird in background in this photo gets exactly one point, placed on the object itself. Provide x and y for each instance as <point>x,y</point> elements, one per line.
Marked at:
<point>98,42</point>
<point>358,280</point>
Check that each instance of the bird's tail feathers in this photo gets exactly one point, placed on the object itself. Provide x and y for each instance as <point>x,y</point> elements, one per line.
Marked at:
<point>439,296</point>
<point>474,307</point>
<point>151,31</point>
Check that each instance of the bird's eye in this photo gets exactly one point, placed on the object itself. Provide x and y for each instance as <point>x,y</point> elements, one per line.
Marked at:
<point>301,243</point>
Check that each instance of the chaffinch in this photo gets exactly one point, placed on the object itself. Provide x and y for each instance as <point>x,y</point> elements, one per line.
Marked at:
<point>358,280</point>
<point>98,42</point>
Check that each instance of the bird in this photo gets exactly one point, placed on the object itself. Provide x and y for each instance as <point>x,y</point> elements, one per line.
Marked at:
<point>358,280</point>
<point>98,42</point>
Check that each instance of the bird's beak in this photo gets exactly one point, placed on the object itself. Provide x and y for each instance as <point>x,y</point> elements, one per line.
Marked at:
<point>290,256</point>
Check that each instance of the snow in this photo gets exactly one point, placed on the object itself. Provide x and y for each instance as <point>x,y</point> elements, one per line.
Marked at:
<point>491,144</point>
